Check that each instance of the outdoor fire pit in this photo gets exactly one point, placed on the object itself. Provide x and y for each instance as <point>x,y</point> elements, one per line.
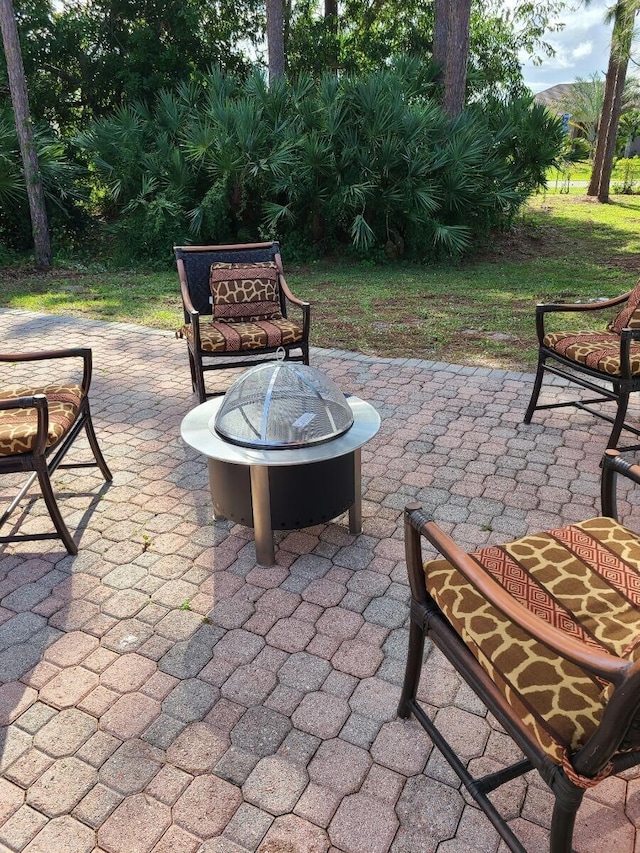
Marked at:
<point>283,448</point>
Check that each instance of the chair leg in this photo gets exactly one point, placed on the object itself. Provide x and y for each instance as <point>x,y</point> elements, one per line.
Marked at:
<point>95,448</point>
<point>192,368</point>
<point>199,378</point>
<point>412,671</point>
<point>537,385</point>
<point>54,512</point>
<point>623,402</point>
<point>565,809</point>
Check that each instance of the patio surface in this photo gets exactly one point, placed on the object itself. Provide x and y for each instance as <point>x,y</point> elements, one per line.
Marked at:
<point>162,693</point>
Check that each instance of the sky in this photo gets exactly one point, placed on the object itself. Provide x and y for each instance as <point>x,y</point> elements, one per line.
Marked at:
<point>582,49</point>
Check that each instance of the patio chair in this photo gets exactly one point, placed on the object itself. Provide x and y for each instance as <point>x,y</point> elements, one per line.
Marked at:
<point>546,631</point>
<point>244,291</point>
<point>38,425</point>
<point>606,363</point>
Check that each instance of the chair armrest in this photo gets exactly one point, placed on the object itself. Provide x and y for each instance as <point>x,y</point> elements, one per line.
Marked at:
<point>543,309</point>
<point>612,465</point>
<point>550,307</point>
<point>184,289</point>
<point>289,295</point>
<point>186,300</point>
<point>599,663</point>
<point>45,355</point>
<point>39,403</point>
<point>305,306</point>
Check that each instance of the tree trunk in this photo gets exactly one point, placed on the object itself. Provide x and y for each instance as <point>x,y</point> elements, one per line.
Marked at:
<point>440,34</point>
<point>621,39</point>
<point>451,50</point>
<point>331,13</point>
<point>275,39</point>
<point>24,129</point>
<point>331,24</point>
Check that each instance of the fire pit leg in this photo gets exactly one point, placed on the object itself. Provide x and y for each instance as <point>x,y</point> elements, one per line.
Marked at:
<point>210,465</point>
<point>261,503</point>
<point>355,510</point>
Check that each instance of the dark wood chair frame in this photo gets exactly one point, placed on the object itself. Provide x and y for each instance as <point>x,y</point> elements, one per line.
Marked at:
<point>619,729</point>
<point>616,388</point>
<point>194,263</point>
<point>42,461</point>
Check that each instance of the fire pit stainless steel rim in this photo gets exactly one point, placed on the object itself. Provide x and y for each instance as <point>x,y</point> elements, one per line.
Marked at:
<point>283,488</point>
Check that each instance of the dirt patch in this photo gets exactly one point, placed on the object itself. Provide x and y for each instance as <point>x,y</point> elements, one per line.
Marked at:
<point>629,262</point>
<point>522,242</point>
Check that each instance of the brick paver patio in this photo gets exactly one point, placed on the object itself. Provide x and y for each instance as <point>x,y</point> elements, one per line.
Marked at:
<point>162,693</point>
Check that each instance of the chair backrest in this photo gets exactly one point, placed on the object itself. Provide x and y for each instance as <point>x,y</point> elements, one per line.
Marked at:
<point>197,262</point>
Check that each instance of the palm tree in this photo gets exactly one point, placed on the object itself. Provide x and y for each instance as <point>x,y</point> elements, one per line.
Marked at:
<point>275,39</point>
<point>24,129</point>
<point>583,103</point>
<point>451,50</point>
<point>623,14</point>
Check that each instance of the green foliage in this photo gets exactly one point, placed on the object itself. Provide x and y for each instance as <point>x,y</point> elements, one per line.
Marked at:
<point>83,59</point>
<point>368,36</point>
<point>60,177</point>
<point>627,175</point>
<point>369,160</point>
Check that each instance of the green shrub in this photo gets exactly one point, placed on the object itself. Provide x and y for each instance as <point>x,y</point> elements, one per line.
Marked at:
<point>61,178</point>
<point>368,161</point>
<point>626,175</point>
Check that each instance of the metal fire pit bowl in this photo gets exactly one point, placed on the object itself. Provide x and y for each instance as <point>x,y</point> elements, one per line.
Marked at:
<point>283,405</point>
<point>286,486</point>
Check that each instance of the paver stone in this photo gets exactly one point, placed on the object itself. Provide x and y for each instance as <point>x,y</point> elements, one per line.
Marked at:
<point>61,786</point>
<point>207,806</point>
<point>15,698</point>
<point>291,832</point>
<point>363,825</point>
<point>135,826</point>
<point>275,785</point>
<point>62,834</point>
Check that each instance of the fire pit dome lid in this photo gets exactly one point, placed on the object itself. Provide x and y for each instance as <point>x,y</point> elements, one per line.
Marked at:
<point>283,405</point>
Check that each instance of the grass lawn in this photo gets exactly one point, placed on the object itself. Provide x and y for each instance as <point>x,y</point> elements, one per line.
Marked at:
<point>480,312</point>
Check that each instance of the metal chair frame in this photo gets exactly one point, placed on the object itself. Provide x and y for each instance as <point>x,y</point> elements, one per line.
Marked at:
<point>41,460</point>
<point>194,263</point>
<point>617,738</point>
<point>609,388</point>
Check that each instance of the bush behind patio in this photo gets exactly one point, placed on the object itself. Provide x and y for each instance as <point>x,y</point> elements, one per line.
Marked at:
<point>370,163</point>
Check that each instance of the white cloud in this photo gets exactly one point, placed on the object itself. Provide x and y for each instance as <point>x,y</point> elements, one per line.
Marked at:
<point>583,50</point>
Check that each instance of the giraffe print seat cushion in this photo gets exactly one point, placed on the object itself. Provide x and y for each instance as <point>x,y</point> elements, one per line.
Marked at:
<point>584,580</point>
<point>236,337</point>
<point>597,350</point>
<point>19,427</point>
<point>245,293</point>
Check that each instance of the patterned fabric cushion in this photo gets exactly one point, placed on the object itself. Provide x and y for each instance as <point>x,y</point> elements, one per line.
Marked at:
<point>19,427</point>
<point>597,350</point>
<point>629,317</point>
<point>235,337</point>
<point>245,293</point>
<point>584,580</point>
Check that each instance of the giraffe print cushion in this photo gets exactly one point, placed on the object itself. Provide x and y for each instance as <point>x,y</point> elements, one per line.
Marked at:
<point>629,317</point>
<point>235,337</point>
<point>597,350</point>
<point>584,580</point>
<point>19,427</point>
<point>245,293</point>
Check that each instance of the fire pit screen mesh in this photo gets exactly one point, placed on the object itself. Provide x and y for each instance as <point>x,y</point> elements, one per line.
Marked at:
<point>283,405</point>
